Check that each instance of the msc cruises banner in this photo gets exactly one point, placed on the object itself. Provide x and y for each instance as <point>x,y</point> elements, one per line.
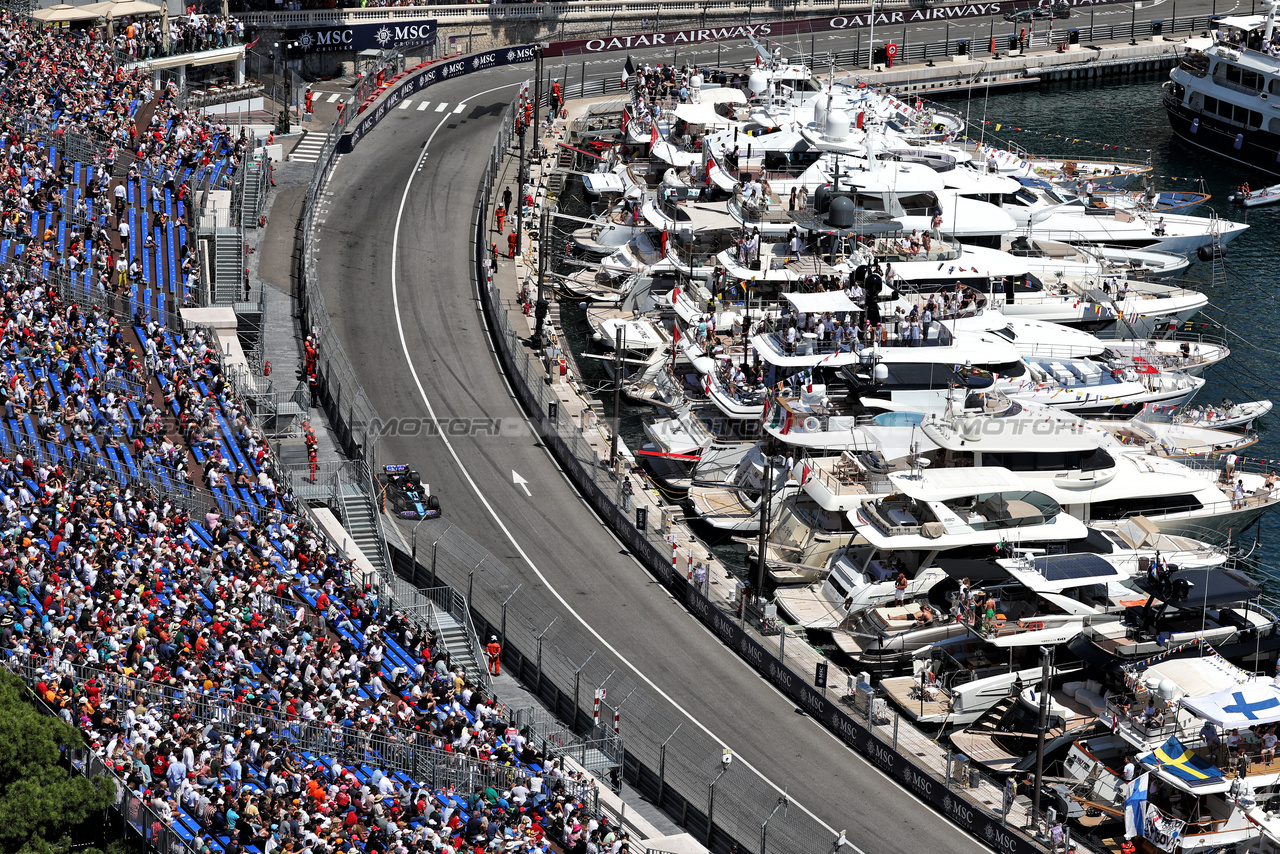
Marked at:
<point>436,73</point>
<point>773,29</point>
<point>375,36</point>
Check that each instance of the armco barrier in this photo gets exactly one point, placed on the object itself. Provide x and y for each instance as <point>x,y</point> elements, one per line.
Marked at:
<point>434,74</point>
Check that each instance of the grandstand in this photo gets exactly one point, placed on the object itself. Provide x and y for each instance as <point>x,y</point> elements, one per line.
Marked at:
<point>163,591</point>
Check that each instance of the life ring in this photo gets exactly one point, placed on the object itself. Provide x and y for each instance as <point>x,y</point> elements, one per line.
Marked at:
<point>812,424</point>
<point>1035,626</point>
<point>891,49</point>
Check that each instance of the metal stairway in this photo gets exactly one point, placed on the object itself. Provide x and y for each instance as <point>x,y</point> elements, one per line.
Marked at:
<point>359,517</point>
<point>456,641</point>
<point>228,266</point>
<point>251,204</point>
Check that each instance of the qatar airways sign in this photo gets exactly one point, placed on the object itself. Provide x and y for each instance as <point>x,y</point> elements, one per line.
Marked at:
<point>774,29</point>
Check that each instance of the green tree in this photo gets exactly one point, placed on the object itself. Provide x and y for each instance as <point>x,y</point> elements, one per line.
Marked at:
<point>40,800</point>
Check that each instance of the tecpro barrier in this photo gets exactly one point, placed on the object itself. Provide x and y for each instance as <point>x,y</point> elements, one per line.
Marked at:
<point>417,81</point>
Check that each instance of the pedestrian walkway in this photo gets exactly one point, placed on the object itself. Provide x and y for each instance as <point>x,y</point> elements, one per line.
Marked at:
<point>308,148</point>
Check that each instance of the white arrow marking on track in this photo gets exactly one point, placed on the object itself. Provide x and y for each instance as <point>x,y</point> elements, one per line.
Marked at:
<point>520,482</point>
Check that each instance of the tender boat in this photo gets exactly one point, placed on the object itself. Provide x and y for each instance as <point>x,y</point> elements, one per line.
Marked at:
<point>1253,198</point>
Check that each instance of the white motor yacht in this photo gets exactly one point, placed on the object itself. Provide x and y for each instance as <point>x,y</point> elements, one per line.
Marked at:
<point>918,517</point>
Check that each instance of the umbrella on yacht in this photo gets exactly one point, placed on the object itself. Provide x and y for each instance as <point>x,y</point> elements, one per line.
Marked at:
<point>62,13</point>
<point>164,27</point>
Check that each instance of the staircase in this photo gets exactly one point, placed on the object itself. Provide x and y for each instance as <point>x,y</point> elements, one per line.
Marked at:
<point>360,519</point>
<point>456,641</point>
<point>228,266</point>
<point>251,204</point>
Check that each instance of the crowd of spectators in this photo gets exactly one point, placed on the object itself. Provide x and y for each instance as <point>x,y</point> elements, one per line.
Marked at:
<point>143,37</point>
<point>238,674</point>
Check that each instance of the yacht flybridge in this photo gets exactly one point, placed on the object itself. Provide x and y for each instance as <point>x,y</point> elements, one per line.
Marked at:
<point>1219,98</point>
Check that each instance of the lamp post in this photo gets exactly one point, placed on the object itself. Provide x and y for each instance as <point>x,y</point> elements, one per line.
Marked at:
<point>1046,666</point>
<point>275,77</point>
<point>757,583</point>
<point>523,178</point>
<point>1133,23</point>
<point>871,39</point>
<point>541,307</point>
<point>537,98</point>
<point>726,759</point>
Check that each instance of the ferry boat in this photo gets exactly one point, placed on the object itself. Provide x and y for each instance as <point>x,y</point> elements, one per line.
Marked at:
<point>1217,98</point>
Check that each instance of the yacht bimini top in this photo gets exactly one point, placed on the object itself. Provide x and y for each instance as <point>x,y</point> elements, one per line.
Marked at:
<point>1055,573</point>
<point>1195,589</point>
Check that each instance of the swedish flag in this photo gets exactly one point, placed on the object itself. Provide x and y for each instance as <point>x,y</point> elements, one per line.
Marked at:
<point>1182,763</point>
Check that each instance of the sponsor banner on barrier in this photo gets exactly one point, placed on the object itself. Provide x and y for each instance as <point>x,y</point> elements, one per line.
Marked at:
<point>774,29</point>
<point>376,36</point>
<point>441,71</point>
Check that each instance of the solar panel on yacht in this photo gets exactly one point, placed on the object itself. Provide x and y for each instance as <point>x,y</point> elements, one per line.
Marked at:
<point>1073,566</point>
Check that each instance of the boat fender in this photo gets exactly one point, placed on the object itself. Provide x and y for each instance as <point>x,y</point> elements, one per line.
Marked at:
<point>1239,141</point>
<point>1209,253</point>
<point>1195,125</point>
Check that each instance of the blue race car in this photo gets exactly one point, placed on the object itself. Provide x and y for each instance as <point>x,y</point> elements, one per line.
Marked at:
<point>404,495</point>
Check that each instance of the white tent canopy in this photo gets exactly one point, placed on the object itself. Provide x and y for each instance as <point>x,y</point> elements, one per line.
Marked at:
<point>62,13</point>
<point>818,302</point>
<point>701,114</point>
<point>122,8</point>
<point>1239,706</point>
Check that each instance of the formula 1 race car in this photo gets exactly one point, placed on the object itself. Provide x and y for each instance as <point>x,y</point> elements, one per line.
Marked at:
<point>1042,9</point>
<point>404,495</point>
